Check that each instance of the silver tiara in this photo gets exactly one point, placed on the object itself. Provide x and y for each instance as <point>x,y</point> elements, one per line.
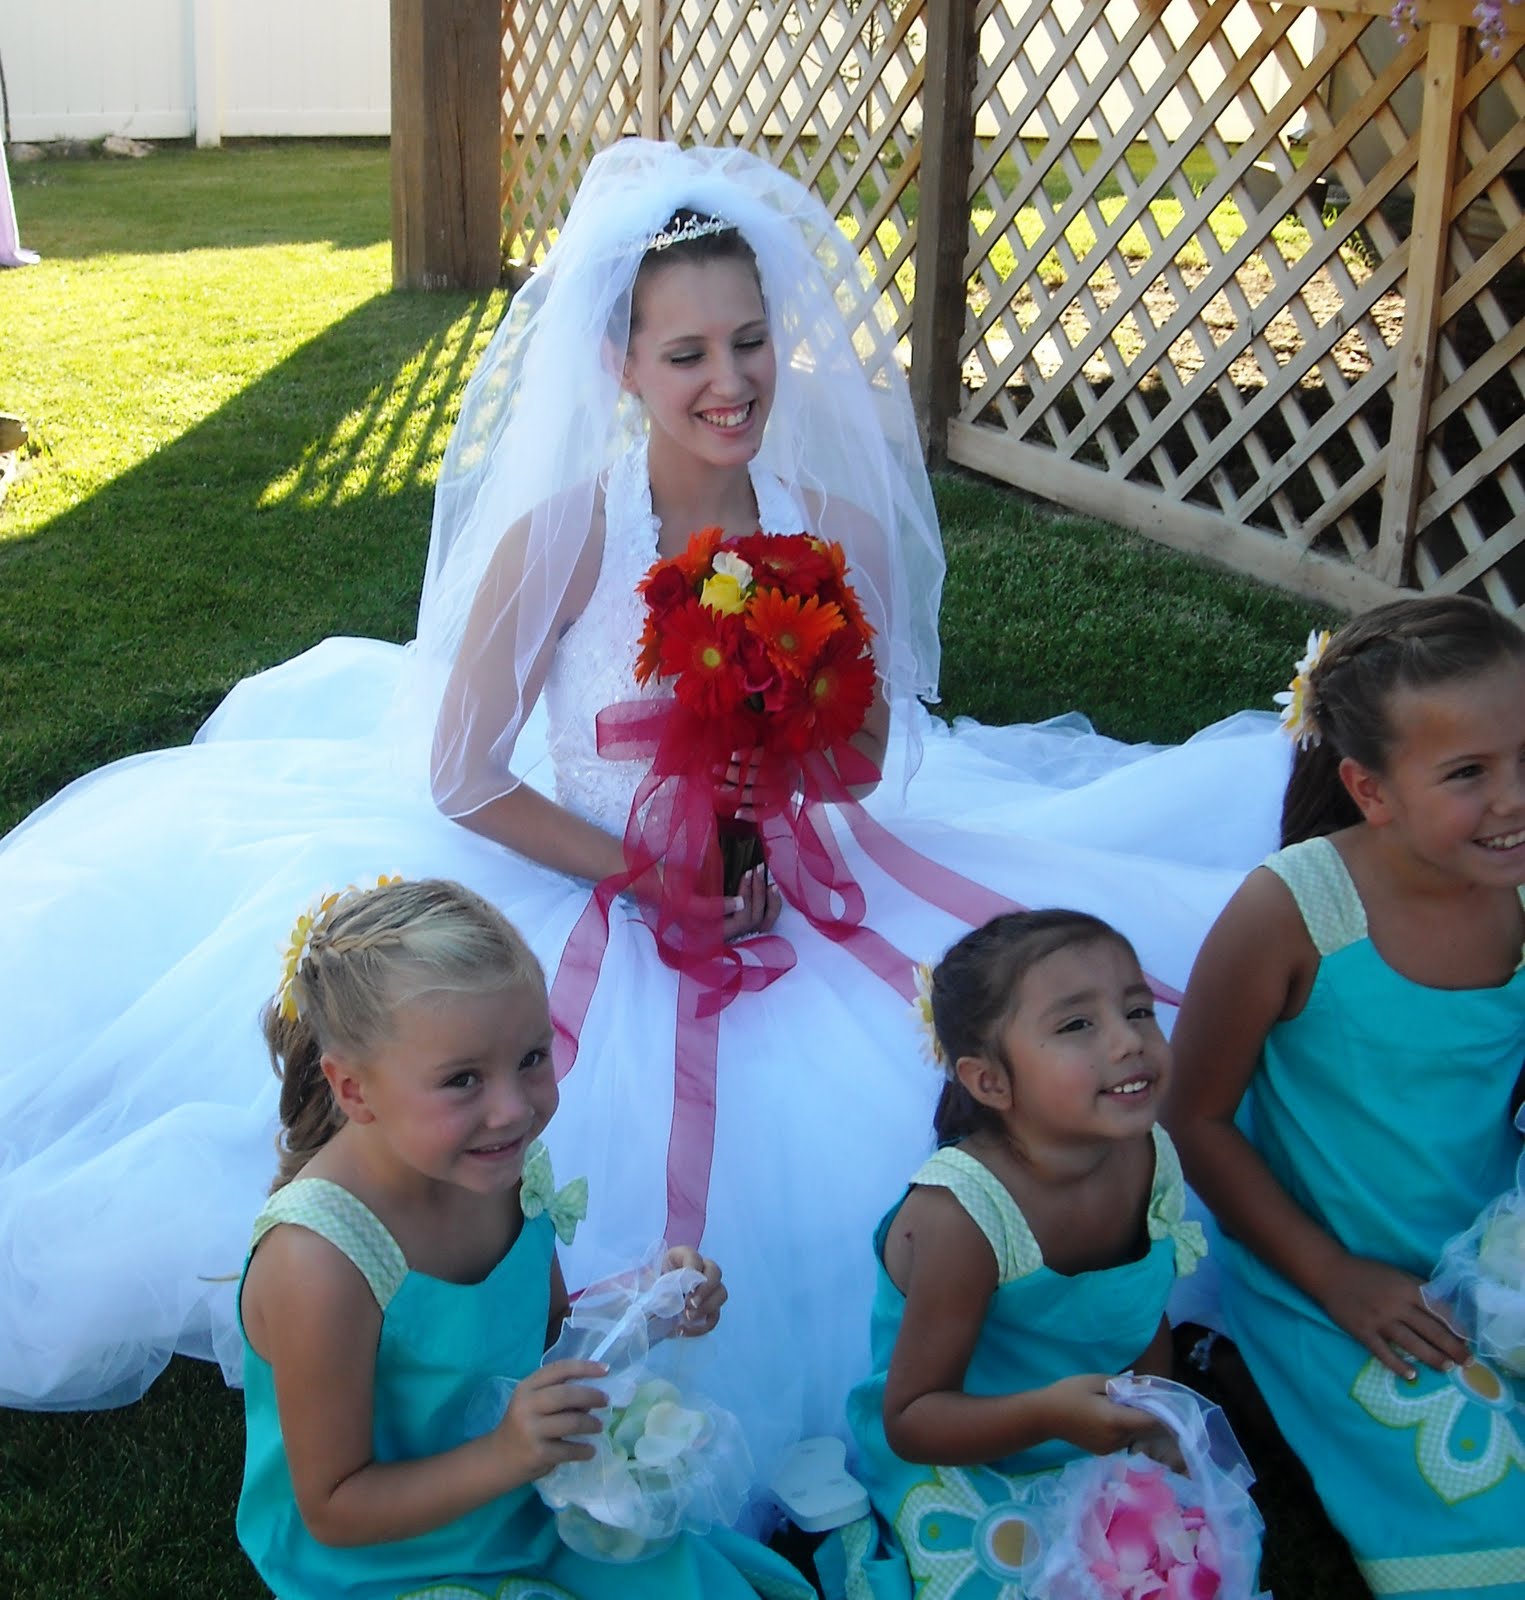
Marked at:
<point>693,228</point>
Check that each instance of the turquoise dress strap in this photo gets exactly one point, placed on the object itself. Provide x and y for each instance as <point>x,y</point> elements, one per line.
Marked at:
<point>991,1207</point>
<point>349,1225</point>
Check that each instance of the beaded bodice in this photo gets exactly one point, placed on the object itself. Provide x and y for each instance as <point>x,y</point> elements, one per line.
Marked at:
<point>594,665</point>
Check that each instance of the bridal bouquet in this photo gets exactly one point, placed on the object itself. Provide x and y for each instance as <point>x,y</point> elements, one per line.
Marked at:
<point>666,1460</point>
<point>1479,1282</point>
<point>763,639</point>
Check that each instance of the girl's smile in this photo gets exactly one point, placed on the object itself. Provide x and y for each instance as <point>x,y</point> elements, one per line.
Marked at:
<point>1454,788</point>
<point>463,1085</point>
<point>1086,1055</point>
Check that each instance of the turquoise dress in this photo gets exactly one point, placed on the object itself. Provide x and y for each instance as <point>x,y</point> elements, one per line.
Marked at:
<point>946,1532</point>
<point>440,1343</point>
<point>1383,1108</point>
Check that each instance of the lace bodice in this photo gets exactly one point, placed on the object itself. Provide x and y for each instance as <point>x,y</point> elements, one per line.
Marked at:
<point>595,660</point>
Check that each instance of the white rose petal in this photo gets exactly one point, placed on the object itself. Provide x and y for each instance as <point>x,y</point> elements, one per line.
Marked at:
<point>732,565</point>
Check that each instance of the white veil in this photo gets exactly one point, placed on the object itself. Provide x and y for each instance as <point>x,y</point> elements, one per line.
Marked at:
<point>544,416</point>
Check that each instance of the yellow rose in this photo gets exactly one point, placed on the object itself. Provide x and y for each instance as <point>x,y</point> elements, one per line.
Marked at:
<point>722,593</point>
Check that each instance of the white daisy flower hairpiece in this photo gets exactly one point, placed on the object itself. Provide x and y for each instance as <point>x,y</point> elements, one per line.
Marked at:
<point>1296,701</point>
<point>921,1009</point>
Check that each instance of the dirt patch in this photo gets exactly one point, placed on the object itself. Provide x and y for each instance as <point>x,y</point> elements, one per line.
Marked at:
<point>1276,337</point>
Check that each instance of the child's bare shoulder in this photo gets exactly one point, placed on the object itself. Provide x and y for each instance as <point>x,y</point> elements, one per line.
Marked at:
<point>932,1233</point>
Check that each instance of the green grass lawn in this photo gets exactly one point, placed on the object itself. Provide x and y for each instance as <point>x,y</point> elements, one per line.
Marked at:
<point>236,427</point>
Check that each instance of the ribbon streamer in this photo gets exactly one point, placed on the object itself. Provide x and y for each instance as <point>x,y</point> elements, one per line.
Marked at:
<point>673,874</point>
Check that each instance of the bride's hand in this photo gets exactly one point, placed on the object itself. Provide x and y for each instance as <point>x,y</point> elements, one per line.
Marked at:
<point>740,774</point>
<point>756,906</point>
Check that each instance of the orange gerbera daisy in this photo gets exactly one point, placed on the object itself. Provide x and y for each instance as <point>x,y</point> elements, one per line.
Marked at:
<point>699,651</point>
<point>696,560</point>
<point>794,630</point>
<point>840,589</point>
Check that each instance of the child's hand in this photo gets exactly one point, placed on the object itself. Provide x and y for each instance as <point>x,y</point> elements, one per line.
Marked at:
<point>1381,1307</point>
<point>1084,1416</point>
<point>701,1311</point>
<point>548,1410</point>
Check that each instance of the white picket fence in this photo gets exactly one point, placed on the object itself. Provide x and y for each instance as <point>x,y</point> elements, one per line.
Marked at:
<point>170,69</point>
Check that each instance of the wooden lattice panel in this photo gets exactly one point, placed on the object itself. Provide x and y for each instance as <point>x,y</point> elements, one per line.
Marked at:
<point>571,85</point>
<point>830,90</point>
<point>1203,333</point>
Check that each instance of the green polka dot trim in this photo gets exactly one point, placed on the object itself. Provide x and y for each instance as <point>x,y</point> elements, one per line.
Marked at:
<point>990,1205</point>
<point>1326,898</point>
<point>1473,1569</point>
<point>348,1224</point>
<point>1167,1207</point>
<point>986,1199</point>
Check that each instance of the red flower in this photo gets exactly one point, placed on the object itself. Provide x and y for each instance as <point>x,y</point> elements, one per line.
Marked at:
<point>665,587</point>
<point>839,689</point>
<point>700,650</point>
<point>787,561</point>
<point>795,631</point>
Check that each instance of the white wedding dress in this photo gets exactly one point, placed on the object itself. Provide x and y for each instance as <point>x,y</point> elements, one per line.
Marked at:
<point>145,909</point>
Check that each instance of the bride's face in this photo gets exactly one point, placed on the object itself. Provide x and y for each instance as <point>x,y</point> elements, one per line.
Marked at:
<point>701,359</point>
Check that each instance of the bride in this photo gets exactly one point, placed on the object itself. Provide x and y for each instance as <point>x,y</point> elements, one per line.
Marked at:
<point>700,349</point>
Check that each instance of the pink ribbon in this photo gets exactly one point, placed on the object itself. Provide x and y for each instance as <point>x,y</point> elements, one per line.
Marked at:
<point>672,867</point>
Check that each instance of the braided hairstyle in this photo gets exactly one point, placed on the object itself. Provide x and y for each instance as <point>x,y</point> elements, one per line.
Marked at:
<point>1407,644</point>
<point>975,989</point>
<point>373,952</point>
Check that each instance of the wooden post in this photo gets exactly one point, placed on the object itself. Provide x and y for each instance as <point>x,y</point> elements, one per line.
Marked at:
<point>653,111</point>
<point>1423,284</point>
<point>942,220</point>
<point>446,143</point>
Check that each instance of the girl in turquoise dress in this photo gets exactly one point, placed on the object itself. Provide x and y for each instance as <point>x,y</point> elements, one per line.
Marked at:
<point>1350,1052</point>
<point>412,1266</point>
<point>1029,1262</point>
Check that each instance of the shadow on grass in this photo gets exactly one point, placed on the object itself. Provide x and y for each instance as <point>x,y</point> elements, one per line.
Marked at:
<point>299,509</point>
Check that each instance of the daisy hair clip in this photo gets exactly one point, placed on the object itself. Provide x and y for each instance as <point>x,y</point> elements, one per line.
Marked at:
<point>1298,707</point>
<point>307,925</point>
<point>921,1009</point>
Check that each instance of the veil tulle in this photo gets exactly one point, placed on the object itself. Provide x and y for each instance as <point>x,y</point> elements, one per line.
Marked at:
<point>515,550</point>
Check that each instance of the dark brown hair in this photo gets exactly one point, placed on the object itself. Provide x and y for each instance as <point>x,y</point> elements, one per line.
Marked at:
<point>974,992</point>
<point>1407,644</point>
<point>726,244</point>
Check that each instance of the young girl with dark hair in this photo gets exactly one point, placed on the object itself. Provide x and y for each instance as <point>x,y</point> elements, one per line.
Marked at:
<point>1032,1257</point>
<point>1348,1050</point>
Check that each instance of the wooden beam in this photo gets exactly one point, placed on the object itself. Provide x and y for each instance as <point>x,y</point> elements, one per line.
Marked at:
<point>652,48</point>
<point>446,143</point>
<point>942,220</point>
<point>1423,284</point>
<point>1178,524</point>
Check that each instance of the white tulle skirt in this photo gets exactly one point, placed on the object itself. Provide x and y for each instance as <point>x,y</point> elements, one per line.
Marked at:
<point>144,911</point>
